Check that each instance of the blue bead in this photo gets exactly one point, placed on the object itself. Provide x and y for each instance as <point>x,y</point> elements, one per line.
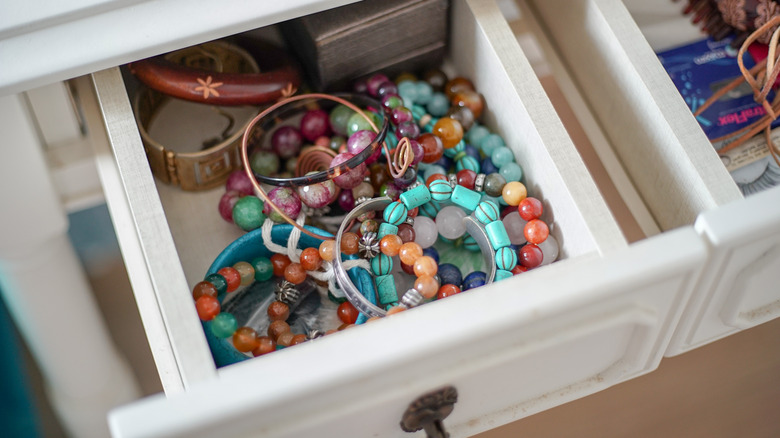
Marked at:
<point>488,167</point>
<point>453,151</point>
<point>381,264</point>
<point>506,258</point>
<point>487,212</point>
<point>472,152</point>
<point>502,274</point>
<point>489,143</point>
<point>476,134</point>
<point>440,190</point>
<point>432,253</point>
<point>395,213</point>
<point>511,172</point>
<point>432,170</point>
<point>450,274</point>
<point>467,162</point>
<point>445,162</point>
<point>438,105</point>
<point>475,279</point>
<point>424,92</point>
<point>501,156</point>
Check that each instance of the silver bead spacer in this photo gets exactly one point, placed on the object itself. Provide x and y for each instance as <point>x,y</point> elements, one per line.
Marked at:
<point>415,184</point>
<point>314,334</point>
<point>409,220</point>
<point>453,179</point>
<point>411,298</point>
<point>368,245</point>
<point>314,212</point>
<point>361,200</point>
<point>479,182</point>
<point>287,293</point>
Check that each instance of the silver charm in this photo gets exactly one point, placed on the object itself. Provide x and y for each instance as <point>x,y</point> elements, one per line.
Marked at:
<point>287,293</point>
<point>368,245</point>
<point>453,179</point>
<point>409,220</point>
<point>411,298</point>
<point>479,182</point>
<point>314,334</point>
<point>314,212</point>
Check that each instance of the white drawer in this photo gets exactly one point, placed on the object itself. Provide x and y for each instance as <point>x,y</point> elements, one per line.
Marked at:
<point>602,315</point>
<point>669,159</point>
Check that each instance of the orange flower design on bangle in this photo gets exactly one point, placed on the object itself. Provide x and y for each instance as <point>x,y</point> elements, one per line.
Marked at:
<point>287,91</point>
<point>208,88</point>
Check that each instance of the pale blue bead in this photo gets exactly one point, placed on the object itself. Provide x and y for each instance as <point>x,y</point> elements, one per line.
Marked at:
<point>415,197</point>
<point>487,212</point>
<point>506,258</point>
<point>467,162</point>
<point>511,172</point>
<point>476,134</point>
<point>418,111</point>
<point>381,264</point>
<point>440,190</point>
<point>497,235</point>
<point>395,213</point>
<point>429,127</point>
<point>470,244</point>
<point>424,92</point>
<point>466,198</point>
<point>455,150</point>
<point>502,274</point>
<point>385,229</point>
<point>438,105</point>
<point>391,140</point>
<point>433,170</point>
<point>489,143</point>
<point>385,287</point>
<point>501,156</point>
<point>407,90</point>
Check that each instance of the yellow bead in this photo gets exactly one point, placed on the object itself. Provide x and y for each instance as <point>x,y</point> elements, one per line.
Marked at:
<point>514,193</point>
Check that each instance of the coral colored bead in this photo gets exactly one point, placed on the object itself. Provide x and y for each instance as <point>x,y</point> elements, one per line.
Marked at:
<point>280,263</point>
<point>285,339</point>
<point>447,290</point>
<point>471,100</point>
<point>467,178</point>
<point>410,252</point>
<point>245,339</point>
<point>425,265</point>
<point>310,259</point>
<point>456,85</point>
<point>434,177</point>
<point>276,328</point>
<point>328,250</point>
<point>530,256</point>
<point>204,288</point>
<point>406,233</point>
<point>536,231</point>
<point>433,149</point>
<point>297,339</point>
<point>426,285</point>
<point>278,311</point>
<point>519,269</point>
<point>449,131</point>
<point>265,345</point>
<point>394,310</point>
<point>349,243</point>
<point>530,208</point>
<point>294,273</point>
<point>514,192</point>
<point>246,273</point>
<point>232,277</point>
<point>347,313</point>
<point>390,245</point>
<point>208,307</point>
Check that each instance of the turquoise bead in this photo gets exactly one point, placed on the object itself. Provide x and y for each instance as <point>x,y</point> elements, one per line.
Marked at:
<point>264,269</point>
<point>385,229</point>
<point>430,209</point>
<point>511,172</point>
<point>489,143</point>
<point>501,156</point>
<point>487,212</point>
<point>470,244</point>
<point>381,264</point>
<point>417,112</point>
<point>506,258</point>
<point>468,162</point>
<point>424,92</point>
<point>416,197</point>
<point>502,274</point>
<point>408,90</point>
<point>385,287</point>
<point>218,281</point>
<point>395,213</point>
<point>440,190</point>
<point>453,151</point>
<point>497,235</point>
<point>438,105</point>
<point>223,325</point>
<point>468,199</point>
<point>476,134</point>
<point>391,140</point>
<point>429,127</point>
<point>248,213</point>
<point>434,169</point>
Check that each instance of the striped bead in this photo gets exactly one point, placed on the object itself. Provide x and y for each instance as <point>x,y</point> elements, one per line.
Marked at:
<point>416,197</point>
<point>453,151</point>
<point>431,209</point>
<point>487,212</point>
<point>468,199</point>
<point>502,274</point>
<point>506,258</point>
<point>385,287</point>
<point>468,162</point>
<point>470,244</point>
<point>440,190</point>
<point>382,264</point>
<point>395,213</point>
<point>497,235</point>
<point>385,229</point>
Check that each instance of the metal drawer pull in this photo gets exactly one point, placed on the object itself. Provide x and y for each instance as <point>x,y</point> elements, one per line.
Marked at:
<point>428,412</point>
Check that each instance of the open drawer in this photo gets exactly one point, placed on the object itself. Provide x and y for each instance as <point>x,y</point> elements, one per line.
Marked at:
<point>603,314</point>
<point>670,161</point>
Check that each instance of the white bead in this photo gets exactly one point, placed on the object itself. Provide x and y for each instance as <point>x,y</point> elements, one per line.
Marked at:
<point>514,225</point>
<point>549,249</point>
<point>425,231</point>
<point>449,222</point>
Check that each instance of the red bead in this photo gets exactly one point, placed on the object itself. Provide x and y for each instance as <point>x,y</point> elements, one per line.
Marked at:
<point>245,339</point>
<point>447,290</point>
<point>413,212</point>
<point>467,178</point>
<point>265,345</point>
<point>298,339</point>
<point>232,277</point>
<point>310,259</point>
<point>208,307</point>
<point>434,177</point>
<point>432,146</point>
<point>519,269</point>
<point>409,269</point>
<point>406,233</point>
<point>294,273</point>
<point>348,314</point>
<point>536,231</point>
<point>530,256</point>
<point>530,208</point>
<point>280,263</point>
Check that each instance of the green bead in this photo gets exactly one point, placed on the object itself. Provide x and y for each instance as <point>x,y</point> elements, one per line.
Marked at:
<point>335,299</point>
<point>385,229</point>
<point>223,325</point>
<point>424,92</point>
<point>391,140</point>
<point>470,244</point>
<point>393,102</point>
<point>459,155</point>
<point>466,198</point>
<point>511,172</point>
<point>489,143</point>
<point>506,258</point>
<point>494,184</point>
<point>468,162</point>
<point>248,213</point>
<point>501,156</point>
<point>440,190</point>
<point>502,274</point>
<point>385,286</point>
<point>395,213</point>
<point>369,226</point>
<point>264,269</point>
<point>339,117</point>
<point>497,235</point>
<point>264,162</point>
<point>430,209</point>
<point>218,281</point>
<point>357,123</point>
<point>408,90</point>
<point>487,212</point>
<point>476,134</point>
<point>381,264</point>
<point>416,197</point>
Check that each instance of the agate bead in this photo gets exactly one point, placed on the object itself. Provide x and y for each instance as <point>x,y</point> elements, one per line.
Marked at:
<point>276,328</point>
<point>494,184</point>
<point>514,192</point>
<point>298,339</point>
<point>426,285</point>
<point>351,178</point>
<point>265,345</point>
<point>203,288</point>
<point>246,273</point>
<point>536,231</point>
<point>457,85</point>
<point>248,213</point>
<point>425,266</point>
<point>433,149</point>
<point>226,204</point>
<point>315,124</point>
<point>349,243</point>
<point>318,195</point>
<point>407,233</point>
<point>218,281</point>
<point>264,163</point>
<point>232,277</point>
<point>223,325</point>
<point>245,339</point>
<point>310,259</point>
<point>339,116</point>
<point>425,231</point>
<point>438,105</point>
<point>286,200</point>
<point>447,290</point>
<point>449,131</point>
<point>285,339</point>
<point>208,307</point>
<point>347,313</point>
<point>264,268</point>
<point>278,311</point>
<point>410,252</point>
<point>466,178</point>
<point>295,273</point>
<point>280,263</point>
<point>471,100</point>
<point>530,209</point>
<point>390,245</point>
<point>327,250</point>
<point>287,141</point>
<point>530,256</point>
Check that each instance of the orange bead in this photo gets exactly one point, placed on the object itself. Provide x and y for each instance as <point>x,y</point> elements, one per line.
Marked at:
<point>310,259</point>
<point>297,339</point>
<point>280,262</point>
<point>285,339</point>
<point>328,250</point>
<point>294,273</point>
<point>425,265</point>
<point>434,177</point>
<point>278,311</point>
<point>449,131</point>
<point>514,192</point>
<point>389,245</point>
<point>410,252</point>
<point>471,100</point>
<point>265,345</point>
<point>426,285</point>
<point>208,307</point>
<point>204,288</point>
<point>245,339</point>
<point>447,290</point>
<point>348,314</point>
<point>349,243</point>
<point>396,309</point>
<point>536,231</point>
<point>246,272</point>
<point>276,328</point>
<point>232,277</point>
<point>456,85</point>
